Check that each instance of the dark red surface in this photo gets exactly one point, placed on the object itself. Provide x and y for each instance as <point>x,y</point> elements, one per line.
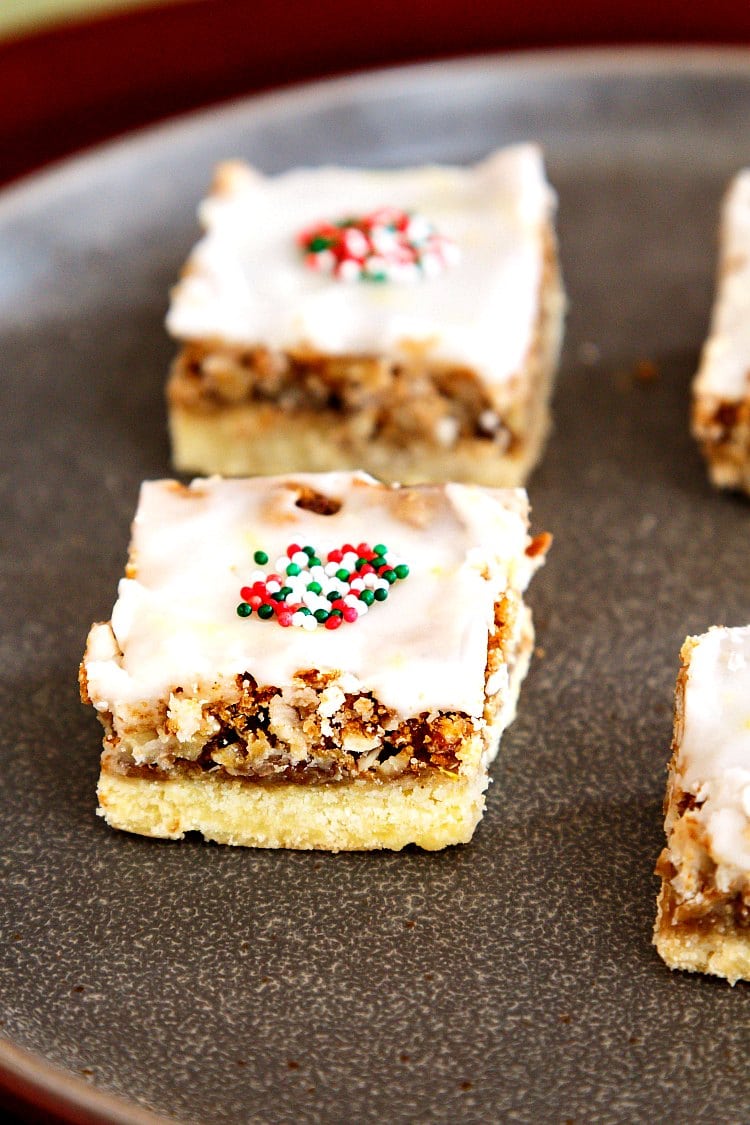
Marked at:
<point>79,83</point>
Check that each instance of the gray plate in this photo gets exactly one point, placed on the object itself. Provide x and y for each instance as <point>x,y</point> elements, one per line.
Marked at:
<point>511,979</point>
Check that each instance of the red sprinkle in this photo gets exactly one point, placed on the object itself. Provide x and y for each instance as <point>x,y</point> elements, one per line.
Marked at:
<point>350,613</point>
<point>292,549</point>
<point>333,622</point>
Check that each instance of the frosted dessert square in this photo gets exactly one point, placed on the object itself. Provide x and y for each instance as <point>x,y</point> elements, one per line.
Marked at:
<point>721,390</point>
<point>312,661</point>
<point>703,922</point>
<point>403,322</point>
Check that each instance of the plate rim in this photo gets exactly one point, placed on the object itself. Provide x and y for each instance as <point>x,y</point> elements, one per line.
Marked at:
<point>639,61</point>
<point>31,1077</point>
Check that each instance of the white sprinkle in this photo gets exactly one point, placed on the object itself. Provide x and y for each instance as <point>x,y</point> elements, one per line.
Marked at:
<point>446,431</point>
<point>383,240</point>
<point>431,265</point>
<point>357,584</point>
<point>348,270</point>
<point>489,421</point>
<point>331,569</point>
<point>273,587</point>
<point>418,229</point>
<point>309,622</point>
<point>281,563</point>
<point>356,242</point>
<point>300,558</point>
<point>298,619</point>
<point>324,260</point>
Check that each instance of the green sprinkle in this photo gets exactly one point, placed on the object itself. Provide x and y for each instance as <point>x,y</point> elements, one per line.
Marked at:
<point>337,613</point>
<point>321,615</point>
<point>304,609</point>
<point>314,561</point>
<point>277,596</point>
<point>333,596</point>
<point>367,597</point>
<point>261,558</point>
<point>390,576</point>
<point>380,549</point>
<point>244,609</point>
<point>402,571</point>
<point>342,575</point>
<point>381,595</point>
<point>309,551</point>
<point>292,570</point>
<point>318,242</point>
<point>285,591</point>
<point>315,587</point>
<point>265,611</point>
<point>360,563</point>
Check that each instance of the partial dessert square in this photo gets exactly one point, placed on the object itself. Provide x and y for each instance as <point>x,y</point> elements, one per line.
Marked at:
<point>703,921</point>
<point>404,322</point>
<point>721,390</point>
<point>312,661</point>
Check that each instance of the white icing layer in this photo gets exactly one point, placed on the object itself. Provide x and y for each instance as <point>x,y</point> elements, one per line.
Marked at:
<point>714,756</point>
<point>423,649</point>
<point>725,364</point>
<point>246,282</point>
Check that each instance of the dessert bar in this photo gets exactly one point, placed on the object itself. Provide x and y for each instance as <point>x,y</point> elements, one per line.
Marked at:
<point>404,322</point>
<point>721,390</point>
<point>312,661</point>
<point>703,921</point>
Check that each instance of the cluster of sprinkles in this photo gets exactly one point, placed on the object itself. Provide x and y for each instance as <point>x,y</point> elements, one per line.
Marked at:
<point>306,593</point>
<point>385,245</point>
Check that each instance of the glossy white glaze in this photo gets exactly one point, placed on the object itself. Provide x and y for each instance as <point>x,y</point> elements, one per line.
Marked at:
<point>175,622</point>
<point>246,282</point>
<point>714,755</point>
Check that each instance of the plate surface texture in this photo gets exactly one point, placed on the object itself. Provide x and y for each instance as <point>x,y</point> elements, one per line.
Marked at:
<point>513,979</point>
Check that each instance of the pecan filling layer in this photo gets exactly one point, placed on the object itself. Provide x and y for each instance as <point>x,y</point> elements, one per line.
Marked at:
<point>712,910</point>
<point>311,732</point>
<point>389,400</point>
